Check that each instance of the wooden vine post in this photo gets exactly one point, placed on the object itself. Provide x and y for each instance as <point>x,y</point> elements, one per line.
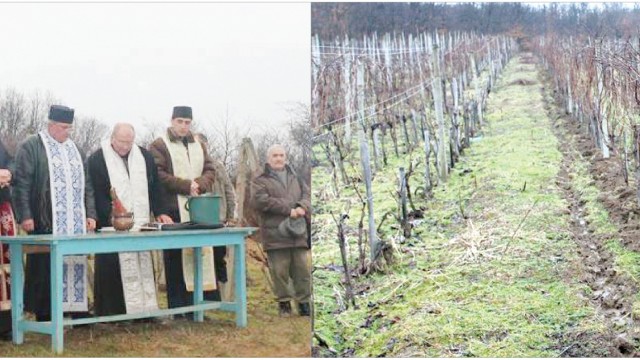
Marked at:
<point>438,102</point>
<point>366,169</point>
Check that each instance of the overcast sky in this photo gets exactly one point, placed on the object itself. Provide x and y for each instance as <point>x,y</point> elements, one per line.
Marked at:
<point>134,62</point>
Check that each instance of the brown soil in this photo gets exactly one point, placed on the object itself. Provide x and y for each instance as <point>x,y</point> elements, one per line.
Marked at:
<point>612,293</point>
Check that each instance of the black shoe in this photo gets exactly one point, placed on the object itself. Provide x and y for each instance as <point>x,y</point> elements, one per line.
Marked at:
<point>285,308</point>
<point>43,317</point>
<point>304,309</point>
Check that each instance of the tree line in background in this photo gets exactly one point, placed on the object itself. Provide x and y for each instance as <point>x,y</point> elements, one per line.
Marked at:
<point>24,114</point>
<point>333,20</point>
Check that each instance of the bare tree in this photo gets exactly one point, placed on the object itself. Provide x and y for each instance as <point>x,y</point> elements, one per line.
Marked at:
<point>225,139</point>
<point>37,111</point>
<point>87,134</point>
<point>13,110</point>
<point>301,140</point>
<point>151,131</point>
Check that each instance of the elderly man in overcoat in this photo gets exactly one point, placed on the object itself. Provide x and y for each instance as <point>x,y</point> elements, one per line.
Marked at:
<point>185,169</point>
<point>282,201</point>
<point>52,195</point>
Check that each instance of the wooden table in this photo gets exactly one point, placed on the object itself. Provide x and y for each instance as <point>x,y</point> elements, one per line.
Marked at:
<point>59,246</point>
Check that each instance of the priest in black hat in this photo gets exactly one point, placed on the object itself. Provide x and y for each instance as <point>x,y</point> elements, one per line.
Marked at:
<point>184,169</point>
<point>70,209</point>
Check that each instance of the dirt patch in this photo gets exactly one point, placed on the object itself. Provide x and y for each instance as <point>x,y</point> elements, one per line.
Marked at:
<point>581,345</point>
<point>524,82</point>
<point>612,293</point>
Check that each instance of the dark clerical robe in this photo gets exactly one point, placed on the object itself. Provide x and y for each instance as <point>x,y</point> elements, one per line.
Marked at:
<point>108,292</point>
<point>32,200</point>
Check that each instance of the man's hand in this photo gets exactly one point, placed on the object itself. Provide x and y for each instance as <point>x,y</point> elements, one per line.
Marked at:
<point>301,211</point>
<point>5,177</point>
<point>195,189</point>
<point>28,225</point>
<point>91,224</point>
<point>294,213</point>
<point>164,219</point>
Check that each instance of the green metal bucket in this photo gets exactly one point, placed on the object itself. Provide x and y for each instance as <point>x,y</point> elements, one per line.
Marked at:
<point>204,209</point>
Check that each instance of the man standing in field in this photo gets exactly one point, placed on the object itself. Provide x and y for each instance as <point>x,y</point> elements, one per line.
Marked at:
<point>130,171</point>
<point>184,169</point>
<point>283,200</point>
<point>52,195</point>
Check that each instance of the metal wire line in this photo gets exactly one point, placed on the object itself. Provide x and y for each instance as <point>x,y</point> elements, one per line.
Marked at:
<point>425,83</point>
<point>367,116</point>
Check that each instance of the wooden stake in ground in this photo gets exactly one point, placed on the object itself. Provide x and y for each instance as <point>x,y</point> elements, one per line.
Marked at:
<point>343,253</point>
<point>404,219</point>
<point>438,102</point>
<point>375,138</point>
<point>427,167</point>
<point>636,152</point>
<point>366,170</point>
<point>248,168</point>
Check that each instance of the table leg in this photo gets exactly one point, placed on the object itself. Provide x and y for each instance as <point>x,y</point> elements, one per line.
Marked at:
<point>17,294</point>
<point>240,284</point>
<point>56,300</point>
<point>198,296</point>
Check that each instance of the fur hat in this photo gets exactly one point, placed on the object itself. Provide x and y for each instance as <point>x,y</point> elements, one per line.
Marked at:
<point>182,112</point>
<point>60,113</point>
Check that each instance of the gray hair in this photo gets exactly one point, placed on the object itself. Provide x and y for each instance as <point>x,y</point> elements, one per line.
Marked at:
<point>273,147</point>
<point>120,126</point>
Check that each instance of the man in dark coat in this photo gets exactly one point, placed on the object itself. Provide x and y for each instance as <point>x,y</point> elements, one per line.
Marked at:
<point>283,200</point>
<point>32,198</point>
<point>132,166</point>
<point>6,163</point>
<point>184,168</point>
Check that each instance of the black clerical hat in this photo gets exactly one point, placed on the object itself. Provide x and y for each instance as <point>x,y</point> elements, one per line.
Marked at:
<point>182,112</point>
<point>61,113</point>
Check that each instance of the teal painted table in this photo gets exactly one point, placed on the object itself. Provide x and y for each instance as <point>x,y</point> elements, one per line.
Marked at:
<point>60,246</point>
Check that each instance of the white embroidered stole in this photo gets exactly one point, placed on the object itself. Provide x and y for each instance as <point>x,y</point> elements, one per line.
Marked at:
<point>188,163</point>
<point>132,186</point>
<point>66,179</point>
<point>136,268</point>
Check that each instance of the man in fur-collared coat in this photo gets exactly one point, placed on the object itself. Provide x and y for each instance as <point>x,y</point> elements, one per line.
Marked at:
<point>282,201</point>
<point>184,169</point>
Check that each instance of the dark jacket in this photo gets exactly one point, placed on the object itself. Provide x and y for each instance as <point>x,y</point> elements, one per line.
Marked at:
<point>273,202</point>
<point>31,187</point>
<point>101,183</point>
<point>6,162</point>
<point>170,185</point>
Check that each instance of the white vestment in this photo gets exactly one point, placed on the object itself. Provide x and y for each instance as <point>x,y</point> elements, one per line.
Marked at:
<point>136,268</point>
